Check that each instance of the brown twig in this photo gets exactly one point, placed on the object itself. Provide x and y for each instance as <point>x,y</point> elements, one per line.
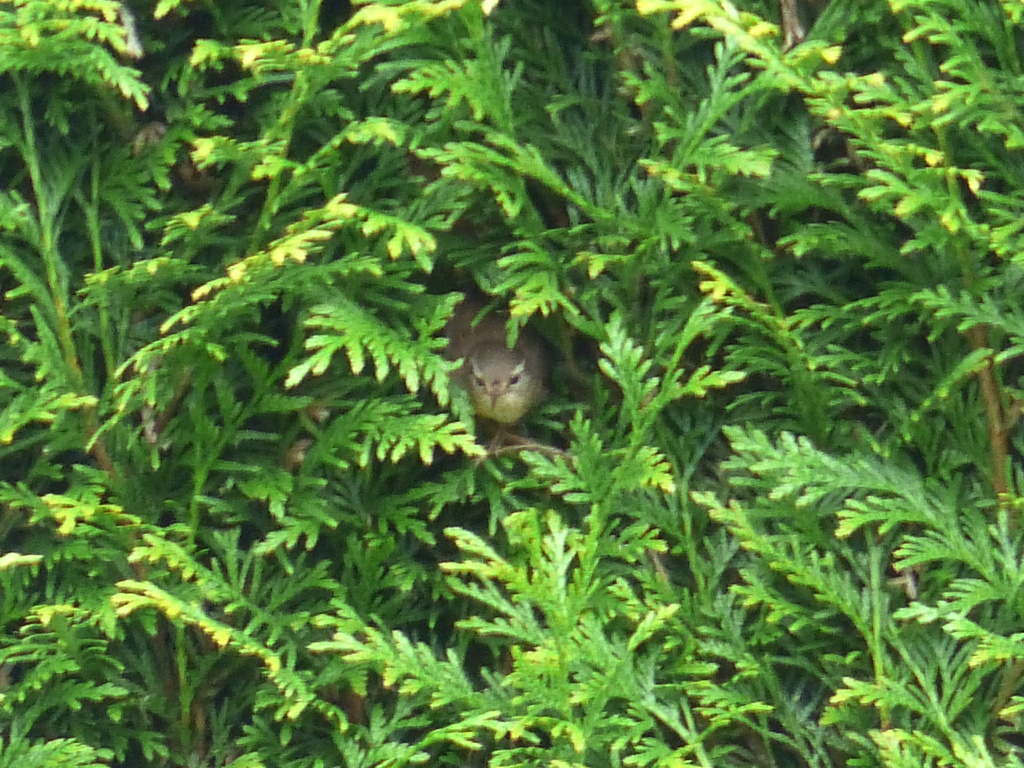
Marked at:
<point>997,434</point>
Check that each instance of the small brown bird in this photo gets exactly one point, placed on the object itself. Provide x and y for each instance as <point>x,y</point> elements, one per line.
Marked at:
<point>503,383</point>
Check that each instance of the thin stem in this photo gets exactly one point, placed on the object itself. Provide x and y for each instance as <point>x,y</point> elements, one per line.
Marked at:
<point>47,240</point>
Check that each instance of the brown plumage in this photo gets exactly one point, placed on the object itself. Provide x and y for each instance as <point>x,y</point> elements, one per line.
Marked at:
<point>503,384</point>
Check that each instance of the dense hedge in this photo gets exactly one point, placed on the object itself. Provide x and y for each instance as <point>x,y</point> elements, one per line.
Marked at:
<point>766,516</point>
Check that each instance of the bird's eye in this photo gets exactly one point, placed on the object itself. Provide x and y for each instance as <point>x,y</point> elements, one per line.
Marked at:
<point>514,379</point>
<point>478,380</point>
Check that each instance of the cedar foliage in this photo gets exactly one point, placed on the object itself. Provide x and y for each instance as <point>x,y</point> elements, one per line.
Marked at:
<point>245,522</point>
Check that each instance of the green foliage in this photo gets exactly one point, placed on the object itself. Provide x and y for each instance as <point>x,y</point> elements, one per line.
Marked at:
<point>768,514</point>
